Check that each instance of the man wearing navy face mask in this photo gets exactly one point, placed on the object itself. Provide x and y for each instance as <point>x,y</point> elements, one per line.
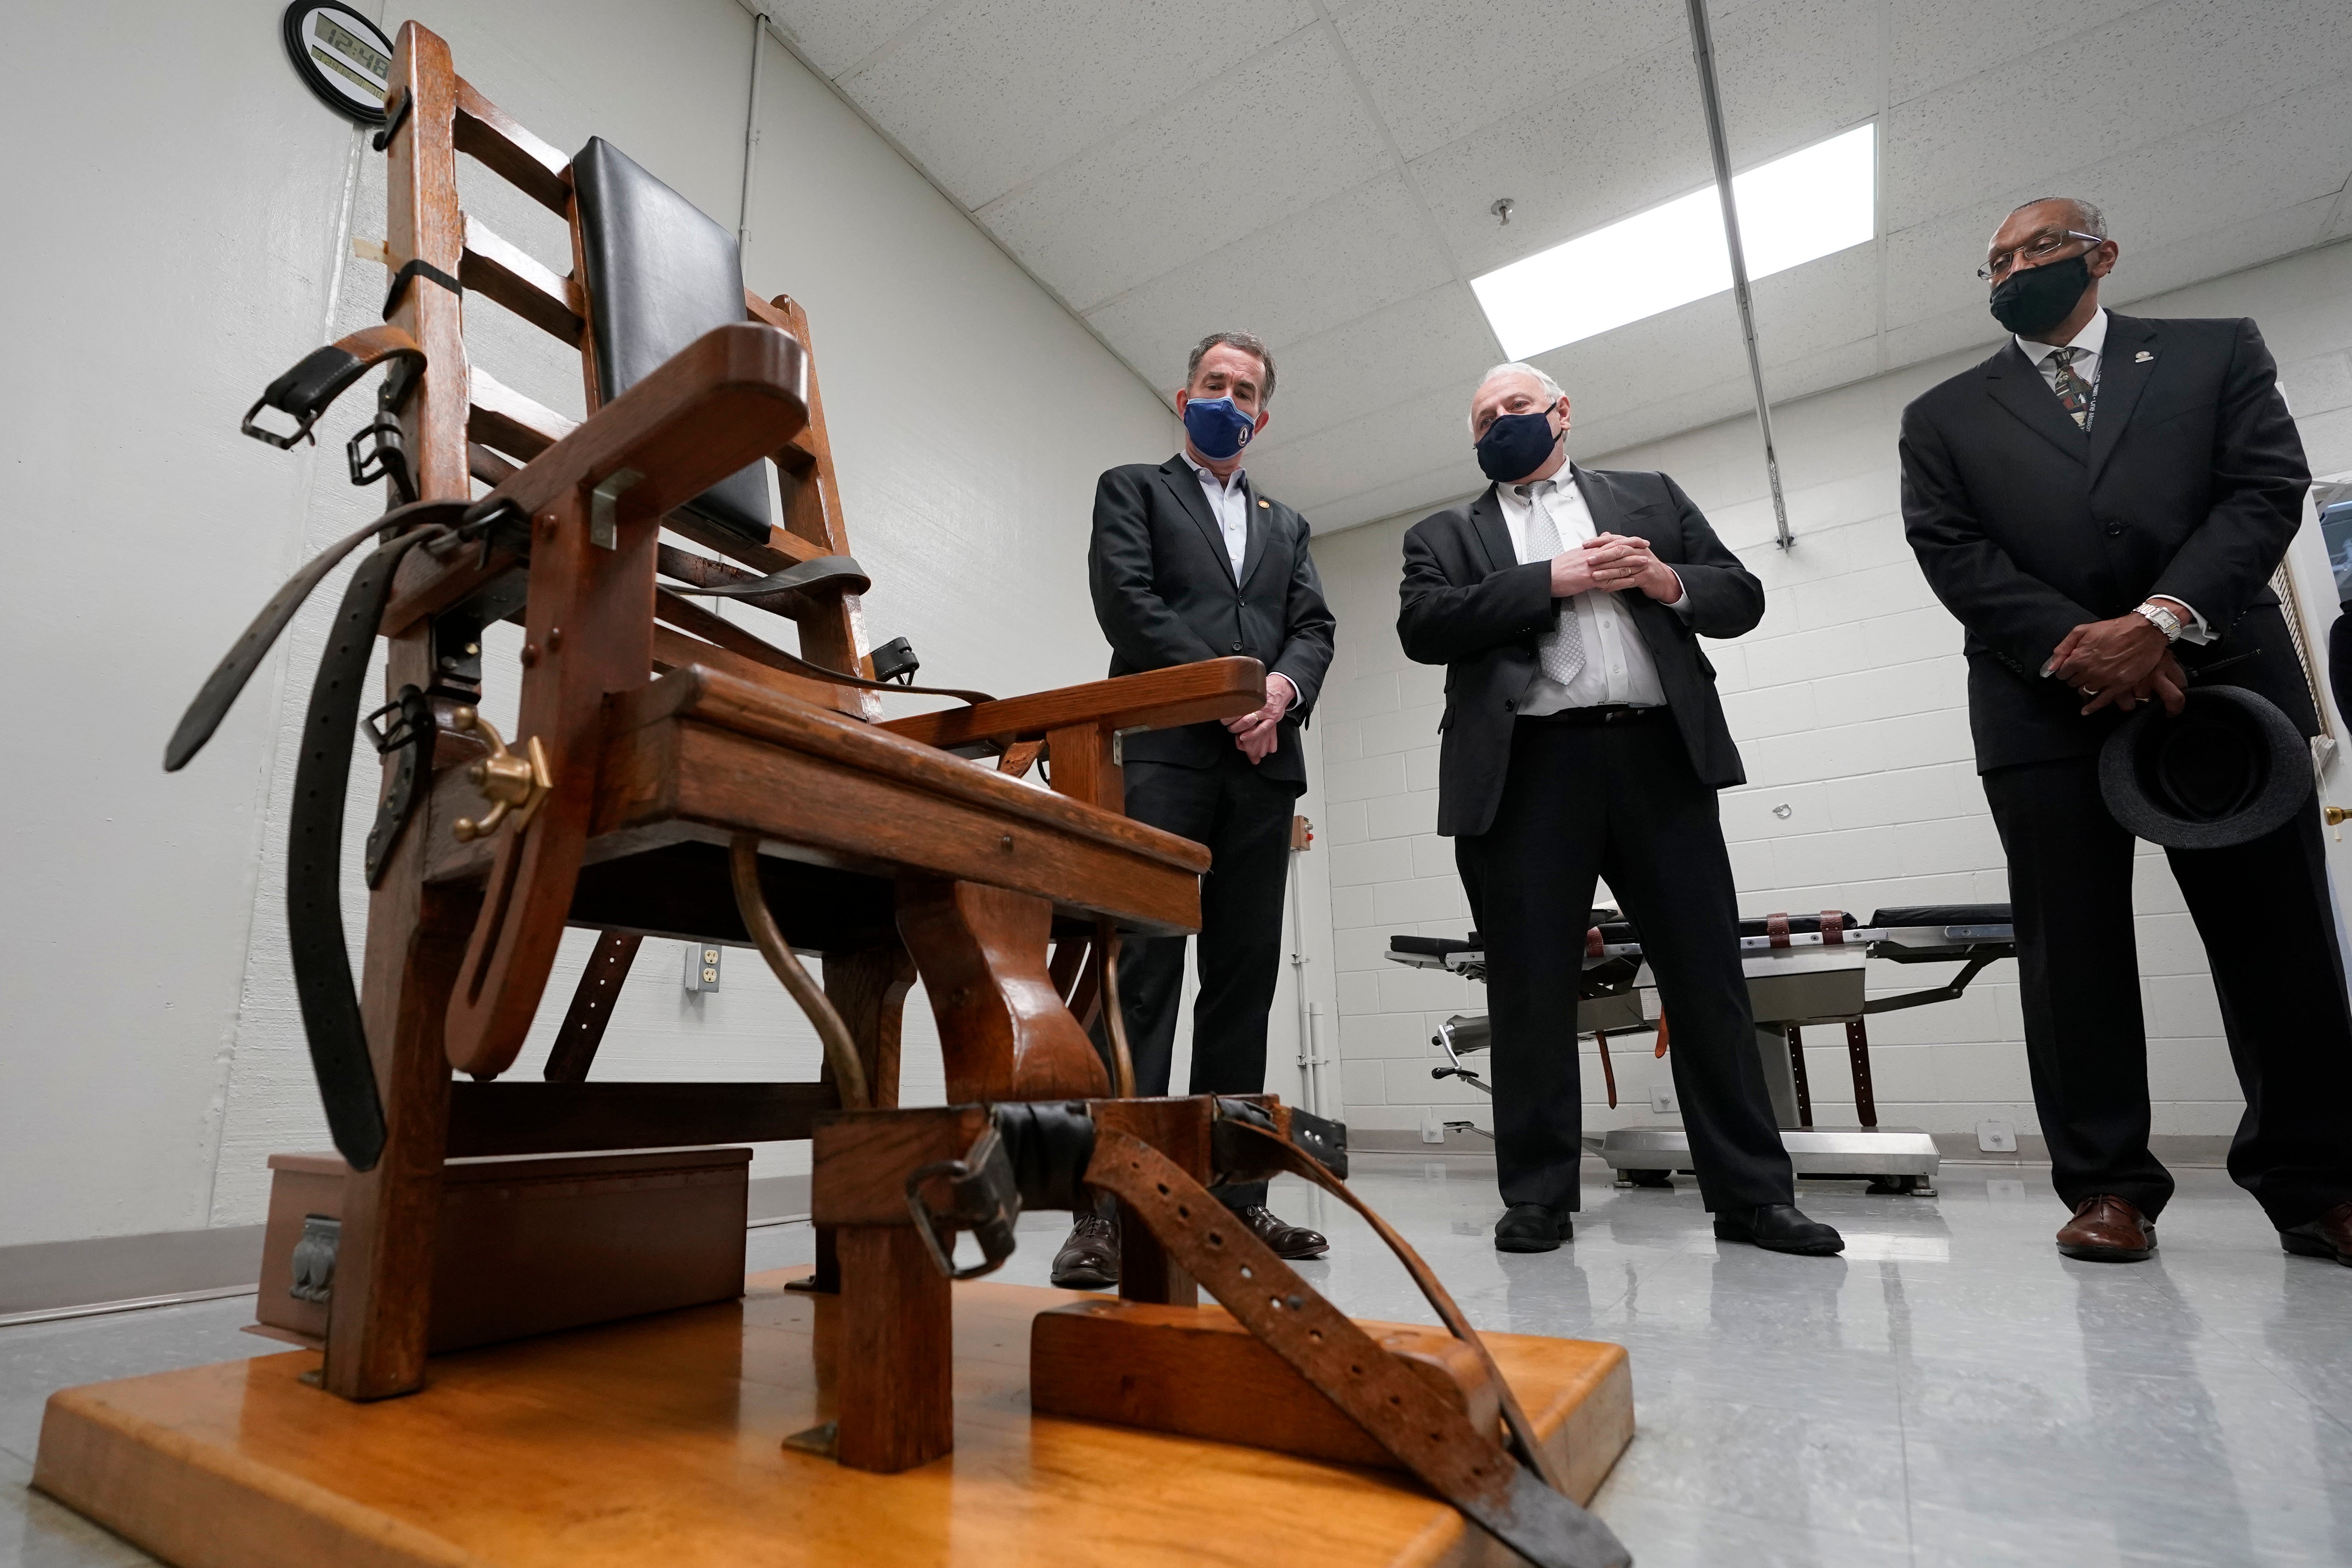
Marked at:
<point>1582,740</point>
<point>1189,561</point>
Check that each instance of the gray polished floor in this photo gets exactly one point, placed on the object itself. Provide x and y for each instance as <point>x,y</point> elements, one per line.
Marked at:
<point>1949,1392</point>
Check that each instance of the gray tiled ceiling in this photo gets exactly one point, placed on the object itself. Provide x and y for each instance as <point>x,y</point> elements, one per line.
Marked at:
<point>1321,172</point>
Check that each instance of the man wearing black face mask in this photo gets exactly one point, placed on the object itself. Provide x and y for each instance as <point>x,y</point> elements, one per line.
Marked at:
<point>2100,503</point>
<point>1190,560</point>
<point>1583,739</point>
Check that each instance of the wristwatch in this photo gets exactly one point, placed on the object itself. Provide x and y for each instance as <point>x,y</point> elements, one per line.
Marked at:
<point>2162,620</point>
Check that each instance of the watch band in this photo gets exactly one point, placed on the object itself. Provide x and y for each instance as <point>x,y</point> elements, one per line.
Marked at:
<point>2162,620</point>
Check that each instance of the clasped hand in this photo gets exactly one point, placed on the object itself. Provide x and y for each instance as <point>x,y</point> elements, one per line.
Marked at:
<point>1258,732</point>
<point>2124,661</point>
<point>1613,562</point>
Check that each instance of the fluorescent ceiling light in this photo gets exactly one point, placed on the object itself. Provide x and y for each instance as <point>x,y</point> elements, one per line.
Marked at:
<point>1813,201</point>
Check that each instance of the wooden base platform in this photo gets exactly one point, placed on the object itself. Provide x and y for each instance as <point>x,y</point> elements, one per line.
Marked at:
<point>660,1440</point>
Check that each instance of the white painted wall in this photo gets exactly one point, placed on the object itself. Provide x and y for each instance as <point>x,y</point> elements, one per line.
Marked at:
<point>1849,704</point>
<point>181,222</point>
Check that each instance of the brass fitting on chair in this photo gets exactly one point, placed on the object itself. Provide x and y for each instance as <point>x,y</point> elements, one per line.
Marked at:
<point>515,784</point>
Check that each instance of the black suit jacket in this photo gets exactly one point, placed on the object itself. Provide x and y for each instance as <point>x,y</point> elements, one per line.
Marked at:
<point>1164,594</point>
<point>1469,605</point>
<point>2189,484</point>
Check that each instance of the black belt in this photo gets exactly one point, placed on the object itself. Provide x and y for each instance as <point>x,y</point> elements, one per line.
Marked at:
<point>1597,717</point>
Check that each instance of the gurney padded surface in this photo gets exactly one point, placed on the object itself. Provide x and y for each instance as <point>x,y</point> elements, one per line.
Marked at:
<point>1943,915</point>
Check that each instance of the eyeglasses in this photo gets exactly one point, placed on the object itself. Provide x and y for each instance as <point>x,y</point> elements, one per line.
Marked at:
<point>2041,247</point>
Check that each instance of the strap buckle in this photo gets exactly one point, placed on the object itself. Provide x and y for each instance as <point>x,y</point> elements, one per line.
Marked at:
<point>983,1197</point>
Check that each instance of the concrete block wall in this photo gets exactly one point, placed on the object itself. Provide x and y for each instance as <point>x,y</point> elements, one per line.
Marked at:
<point>1850,708</point>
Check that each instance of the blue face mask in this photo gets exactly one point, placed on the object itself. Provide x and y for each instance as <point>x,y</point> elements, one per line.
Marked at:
<point>1218,429</point>
<point>1515,445</point>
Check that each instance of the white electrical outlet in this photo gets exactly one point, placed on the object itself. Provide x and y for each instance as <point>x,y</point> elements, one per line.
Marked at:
<point>1662,1099</point>
<point>701,967</point>
<point>1996,1137</point>
<point>1432,1129</point>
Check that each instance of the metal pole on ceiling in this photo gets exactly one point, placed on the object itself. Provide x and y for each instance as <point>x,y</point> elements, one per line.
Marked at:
<point>1711,99</point>
<point>751,131</point>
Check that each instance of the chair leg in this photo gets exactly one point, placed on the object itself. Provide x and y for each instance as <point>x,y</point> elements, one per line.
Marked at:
<point>1857,1050</point>
<point>380,1309</point>
<point>1797,1070</point>
<point>894,1392</point>
<point>868,988</point>
<point>1003,1031</point>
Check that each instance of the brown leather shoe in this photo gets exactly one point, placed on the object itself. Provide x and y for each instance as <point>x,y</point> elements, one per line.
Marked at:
<point>1291,1241</point>
<point>2329,1235</point>
<point>2106,1229</point>
<point>1089,1260</point>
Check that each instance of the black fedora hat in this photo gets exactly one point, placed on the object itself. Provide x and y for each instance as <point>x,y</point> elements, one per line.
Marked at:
<point>2230,768</point>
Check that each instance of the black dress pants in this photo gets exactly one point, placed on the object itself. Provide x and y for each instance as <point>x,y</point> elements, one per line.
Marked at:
<point>2263,913</point>
<point>1620,800</point>
<point>1245,819</point>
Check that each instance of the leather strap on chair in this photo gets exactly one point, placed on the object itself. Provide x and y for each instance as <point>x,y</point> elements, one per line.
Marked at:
<point>1776,930</point>
<point>1832,927</point>
<point>220,691</point>
<point>794,664</point>
<point>314,859</point>
<point>1438,1443</point>
<point>325,374</point>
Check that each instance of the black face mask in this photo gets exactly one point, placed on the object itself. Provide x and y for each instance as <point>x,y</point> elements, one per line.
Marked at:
<point>1515,445</point>
<point>2036,299</point>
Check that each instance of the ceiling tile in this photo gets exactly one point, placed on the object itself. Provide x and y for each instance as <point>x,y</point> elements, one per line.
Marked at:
<point>1175,186</point>
<point>1933,43</point>
<point>1100,68</point>
<point>1635,137</point>
<point>1362,249</point>
<point>2156,74</point>
<point>1421,435</point>
<point>1433,341</point>
<point>836,36</point>
<point>1437,69</point>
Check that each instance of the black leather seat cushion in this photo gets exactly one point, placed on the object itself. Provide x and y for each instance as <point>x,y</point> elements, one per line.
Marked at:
<point>1943,915</point>
<point>660,274</point>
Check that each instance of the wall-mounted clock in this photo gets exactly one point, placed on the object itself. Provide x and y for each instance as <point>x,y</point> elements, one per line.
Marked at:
<point>341,55</point>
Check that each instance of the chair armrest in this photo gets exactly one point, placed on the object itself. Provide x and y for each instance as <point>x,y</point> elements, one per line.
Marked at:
<point>1156,699</point>
<point>730,397</point>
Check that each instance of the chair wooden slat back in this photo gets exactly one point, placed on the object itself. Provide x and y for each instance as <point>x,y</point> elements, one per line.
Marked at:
<point>466,425</point>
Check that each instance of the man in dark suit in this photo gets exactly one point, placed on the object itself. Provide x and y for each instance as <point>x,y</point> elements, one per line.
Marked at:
<point>2101,504</point>
<point>1189,562</point>
<point>1583,739</point>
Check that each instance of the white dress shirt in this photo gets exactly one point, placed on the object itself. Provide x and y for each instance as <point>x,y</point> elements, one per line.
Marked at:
<point>1229,504</point>
<point>1617,664</point>
<point>2093,341</point>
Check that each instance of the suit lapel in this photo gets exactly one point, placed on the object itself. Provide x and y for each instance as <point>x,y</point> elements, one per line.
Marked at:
<point>1257,513</point>
<point>2013,382</point>
<point>1495,539</point>
<point>1178,475</point>
<point>2122,377</point>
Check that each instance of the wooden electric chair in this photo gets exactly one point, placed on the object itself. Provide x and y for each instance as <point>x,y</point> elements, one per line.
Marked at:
<point>674,775</point>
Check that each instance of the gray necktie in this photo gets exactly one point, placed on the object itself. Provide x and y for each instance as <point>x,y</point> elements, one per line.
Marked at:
<point>1562,652</point>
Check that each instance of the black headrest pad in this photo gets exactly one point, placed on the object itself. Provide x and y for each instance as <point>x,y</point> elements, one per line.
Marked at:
<point>660,274</point>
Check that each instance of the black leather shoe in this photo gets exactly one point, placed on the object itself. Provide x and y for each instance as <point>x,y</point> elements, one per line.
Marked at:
<point>1089,1260</point>
<point>1533,1227</point>
<point>1290,1241</point>
<point>1779,1227</point>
